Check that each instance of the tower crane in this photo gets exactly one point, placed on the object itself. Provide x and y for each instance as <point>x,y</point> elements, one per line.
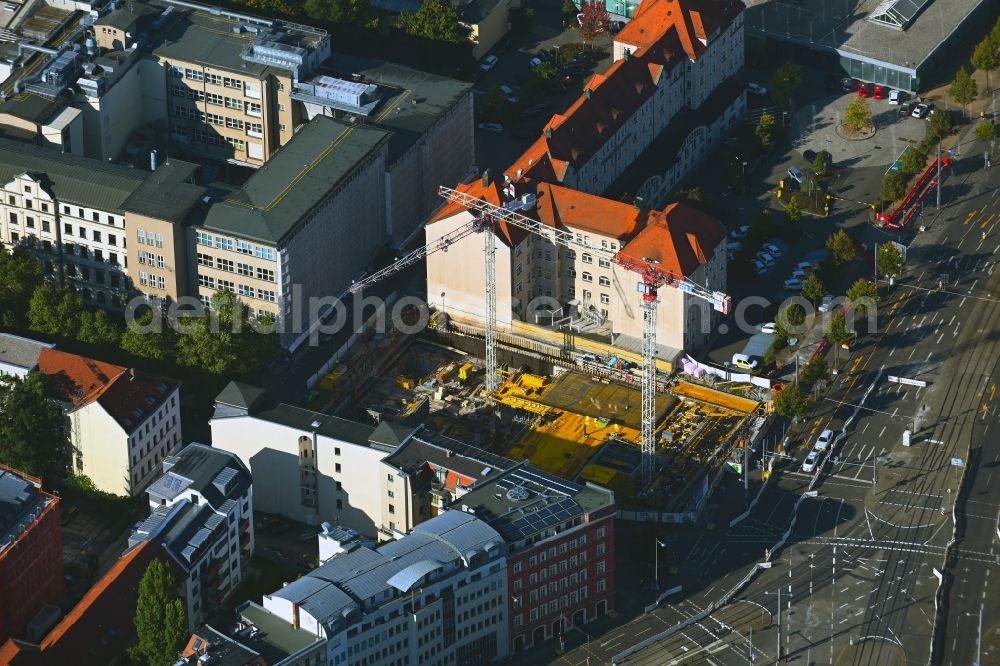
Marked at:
<point>651,278</point>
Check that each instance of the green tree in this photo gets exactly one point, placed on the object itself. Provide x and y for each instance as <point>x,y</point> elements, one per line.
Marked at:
<point>940,126</point>
<point>986,57</point>
<point>55,311</point>
<point>822,163</point>
<point>98,328</point>
<point>841,247</point>
<point>436,19</point>
<point>963,89</point>
<point>889,259</point>
<point>791,316</point>
<point>160,619</point>
<point>340,11</point>
<point>838,334</point>
<point>595,20</point>
<point>30,425</point>
<point>546,70</point>
<point>784,82</point>
<point>20,275</point>
<point>793,211</point>
<point>813,288</point>
<point>862,293</point>
<point>857,115</point>
<point>986,131</point>
<point>569,11</point>
<point>223,342</point>
<point>913,161</point>
<point>765,129</point>
<point>791,402</point>
<point>815,371</point>
<point>893,186</point>
<point>159,345</point>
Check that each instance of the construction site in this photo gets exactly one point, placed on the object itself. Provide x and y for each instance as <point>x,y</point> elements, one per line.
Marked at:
<point>567,419</point>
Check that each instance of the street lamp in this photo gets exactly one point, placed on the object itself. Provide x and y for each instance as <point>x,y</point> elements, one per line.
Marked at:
<point>656,563</point>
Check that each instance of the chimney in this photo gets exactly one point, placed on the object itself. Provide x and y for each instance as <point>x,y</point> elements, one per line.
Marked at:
<point>295,616</point>
<point>638,204</point>
<point>586,93</point>
<point>131,374</point>
<point>486,178</point>
<point>548,132</point>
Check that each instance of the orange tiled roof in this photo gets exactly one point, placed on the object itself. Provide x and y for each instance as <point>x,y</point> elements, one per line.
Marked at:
<point>680,239</point>
<point>121,391</point>
<point>490,193</point>
<point>562,207</point>
<point>664,32</point>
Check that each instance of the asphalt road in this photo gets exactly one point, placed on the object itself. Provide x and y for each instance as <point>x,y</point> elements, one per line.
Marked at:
<point>857,575</point>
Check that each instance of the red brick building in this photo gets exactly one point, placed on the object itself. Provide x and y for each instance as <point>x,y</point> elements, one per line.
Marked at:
<point>560,538</point>
<point>31,563</point>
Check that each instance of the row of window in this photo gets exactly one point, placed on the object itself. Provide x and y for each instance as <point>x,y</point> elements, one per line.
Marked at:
<point>246,291</point>
<point>190,113</point>
<point>150,259</point>
<point>214,79</point>
<point>149,238</point>
<point>46,226</point>
<point>246,270</point>
<point>152,280</point>
<point>212,98</point>
<point>241,246</point>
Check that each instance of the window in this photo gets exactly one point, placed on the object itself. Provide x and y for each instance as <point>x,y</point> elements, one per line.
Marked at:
<point>281,107</point>
<point>193,75</point>
<point>143,278</point>
<point>97,235</point>
<point>140,236</point>
<point>205,260</point>
<point>600,567</point>
<point>600,549</point>
<point>392,494</point>
<point>587,295</point>
<point>13,219</point>
<point>227,285</point>
<point>601,585</point>
<point>244,247</point>
<point>215,119</point>
<point>203,238</point>
<point>587,277</point>
<point>604,282</point>
<point>605,299</point>
<point>67,229</point>
<point>206,281</point>
<point>223,243</point>
<point>234,123</point>
<point>604,263</point>
<point>392,509</point>
<point>232,83</point>
<point>282,127</point>
<point>112,239</point>
<point>46,226</point>
<point>600,532</point>
<point>212,98</point>
<point>587,258</point>
<point>244,290</point>
<point>255,129</point>
<point>253,109</point>
<point>265,274</point>
<point>264,253</point>
<point>226,265</point>
<point>245,270</point>
<point>336,467</point>
<point>266,295</point>
<point>233,103</point>
<point>29,222</point>
<point>161,282</point>
<point>214,79</point>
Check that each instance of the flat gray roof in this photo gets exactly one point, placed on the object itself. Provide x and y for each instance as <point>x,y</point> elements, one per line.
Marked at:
<point>277,638</point>
<point>167,193</point>
<point>824,25</point>
<point>21,352</point>
<point>400,86</point>
<point>280,194</point>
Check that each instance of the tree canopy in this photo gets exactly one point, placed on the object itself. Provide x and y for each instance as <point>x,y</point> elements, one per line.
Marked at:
<point>816,370</point>
<point>913,161</point>
<point>340,11</point>
<point>159,345</point>
<point>889,259</point>
<point>841,246</point>
<point>857,114</point>
<point>54,311</point>
<point>160,618</point>
<point>893,186</point>
<point>784,82</point>
<point>595,20</point>
<point>986,131</point>
<point>986,57</point>
<point>791,315</point>
<point>813,288</point>
<point>765,129</point>
<point>20,275</point>
<point>940,126</point>
<point>837,332</point>
<point>31,425</point>
<point>963,89</point>
<point>822,163</point>
<point>791,402</point>
<point>436,19</point>
<point>862,294</point>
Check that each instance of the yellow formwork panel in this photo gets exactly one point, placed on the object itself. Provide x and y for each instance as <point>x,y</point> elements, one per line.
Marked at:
<point>717,398</point>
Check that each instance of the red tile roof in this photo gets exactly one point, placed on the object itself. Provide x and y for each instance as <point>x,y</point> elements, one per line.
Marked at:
<point>562,207</point>
<point>490,193</point>
<point>680,239</point>
<point>664,34</point>
<point>100,627</point>
<point>128,395</point>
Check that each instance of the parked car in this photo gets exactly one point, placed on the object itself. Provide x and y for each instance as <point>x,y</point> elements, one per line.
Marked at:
<point>796,174</point>
<point>757,89</point>
<point>806,266</point>
<point>759,267</point>
<point>492,128</point>
<point>744,362</point>
<point>772,249</point>
<point>488,63</point>
<point>896,96</point>
<point>905,108</point>
<point>770,327</point>
<point>865,89</point>
<point>920,111</point>
<point>799,275</point>
<point>809,464</point>
<point>847,84</point>
<point>823,441</point>
<point>766,259</point>
<point>535,62</point>
<point>509,93</point>
<point>740,232</point>
<point>792,284</point>
<point>826,304</point>
<point>879,92</point>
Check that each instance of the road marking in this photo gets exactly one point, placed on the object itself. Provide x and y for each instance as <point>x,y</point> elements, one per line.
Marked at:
<point>940,337</point>
<point>970,216</point>
<point>988,220</point>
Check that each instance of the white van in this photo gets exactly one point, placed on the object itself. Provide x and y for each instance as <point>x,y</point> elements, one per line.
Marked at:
<point>744,362</point>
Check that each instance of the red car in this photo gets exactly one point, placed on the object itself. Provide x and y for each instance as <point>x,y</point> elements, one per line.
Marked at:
<point>866,89</point>
<point>881,92</point>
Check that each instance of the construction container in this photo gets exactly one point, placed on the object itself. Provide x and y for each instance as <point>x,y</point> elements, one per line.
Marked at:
<point>463,372</point>
<point>533,381</point>
<point>404,382</point>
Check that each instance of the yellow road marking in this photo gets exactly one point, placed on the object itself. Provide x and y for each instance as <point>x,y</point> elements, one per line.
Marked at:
<point>993,391</point>
<point>970,216</point>
<point>988,220</point>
